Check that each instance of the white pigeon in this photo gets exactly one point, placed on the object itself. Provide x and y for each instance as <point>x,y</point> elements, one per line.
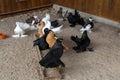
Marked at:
<point>21,27</point>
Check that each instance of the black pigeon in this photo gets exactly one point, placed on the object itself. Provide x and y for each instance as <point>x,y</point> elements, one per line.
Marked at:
<point>82,43</point>
<point>75,19</point>
<point>54,23</point>
<point>79,19</point>
<point>52,58</point>
<point>41,42</point>
<point>71,19</point>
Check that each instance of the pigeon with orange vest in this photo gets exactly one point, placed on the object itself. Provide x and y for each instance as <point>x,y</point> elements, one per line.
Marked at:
<point>51,39</point>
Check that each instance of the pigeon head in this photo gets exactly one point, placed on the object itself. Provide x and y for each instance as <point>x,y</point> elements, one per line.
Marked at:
<point>76,12</point>
<point>46,30</point>
<point>60,9</point>
<point>76,39</point>
<point>35,42</point>
<point>90,19</point>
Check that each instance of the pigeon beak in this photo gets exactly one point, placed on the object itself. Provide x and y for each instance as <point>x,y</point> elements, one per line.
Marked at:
<point>33,45</point>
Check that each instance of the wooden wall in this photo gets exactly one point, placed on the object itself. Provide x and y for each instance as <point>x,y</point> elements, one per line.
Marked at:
<point>7,6</point>
<point>105,8</point>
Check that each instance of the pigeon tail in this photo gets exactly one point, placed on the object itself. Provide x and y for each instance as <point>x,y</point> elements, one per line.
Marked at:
<point>57,30</point>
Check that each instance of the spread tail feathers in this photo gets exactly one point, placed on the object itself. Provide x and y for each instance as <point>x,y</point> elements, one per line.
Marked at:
<point>57,30</point>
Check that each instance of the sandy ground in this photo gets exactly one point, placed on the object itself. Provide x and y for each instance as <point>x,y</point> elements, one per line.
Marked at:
<point>102,64</point>
<point>19,60</point>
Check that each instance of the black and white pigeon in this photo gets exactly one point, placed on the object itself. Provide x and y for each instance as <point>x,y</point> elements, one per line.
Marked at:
<point>52,58</point>
<point>88,26</point>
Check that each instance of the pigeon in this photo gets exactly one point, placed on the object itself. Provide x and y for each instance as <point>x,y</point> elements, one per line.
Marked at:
<point>88,26</point>
<point>82,43</point>
<point>21,27</point>
<point>41,42</point>
<point>52,58</point>
<point>75,18</point>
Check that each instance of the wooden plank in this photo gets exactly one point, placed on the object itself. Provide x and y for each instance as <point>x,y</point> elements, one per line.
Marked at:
<point>67,3</point>
<point>1,6</point>
<point>9,14</point>
<point>105,8</point>
<point>7,6</point>
<point>111,9</point>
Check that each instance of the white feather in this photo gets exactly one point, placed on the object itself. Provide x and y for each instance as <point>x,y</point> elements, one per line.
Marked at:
<point>33,22</point>
<point>57,30</point>
<point>16,36</point>
<point>36,17</point>
<point>21,27</point>
<point>87,28</point>
<point>46,18</point>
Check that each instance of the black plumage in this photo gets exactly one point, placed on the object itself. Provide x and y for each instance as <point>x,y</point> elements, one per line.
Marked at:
<point>82,43</point>
<point>52,58</point>
<point>41,42</point>
<point>54,23</point>
<point>29,20</point>
<point>33,20</point>
<point>79,19</point>
<point>71,19</point>
<point>75,19</point>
